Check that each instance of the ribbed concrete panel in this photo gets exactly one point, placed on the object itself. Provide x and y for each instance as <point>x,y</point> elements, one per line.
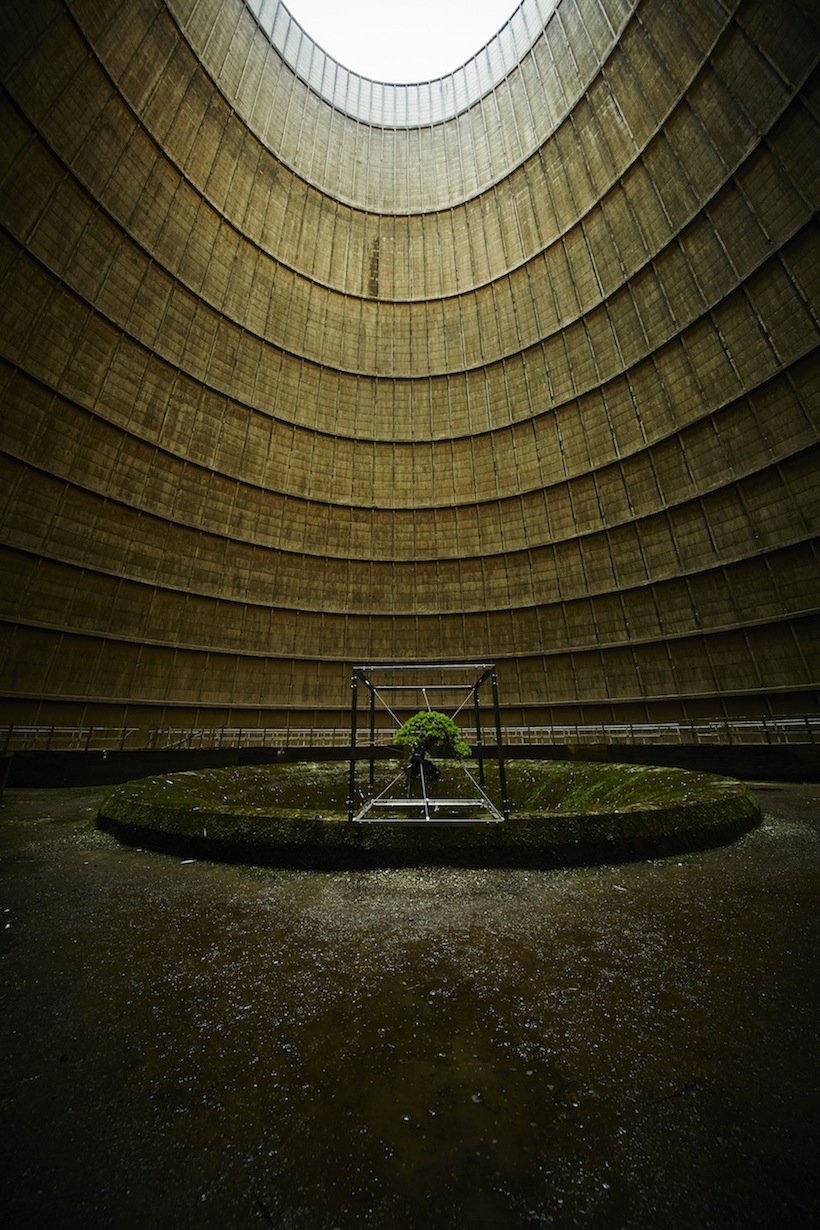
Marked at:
<point>299,369</point>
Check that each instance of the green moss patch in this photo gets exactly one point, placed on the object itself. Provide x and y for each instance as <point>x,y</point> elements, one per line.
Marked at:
<point>561,813</point>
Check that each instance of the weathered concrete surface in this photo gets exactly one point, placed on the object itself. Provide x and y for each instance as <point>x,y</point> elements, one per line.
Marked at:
<point>560,815</point>
<point>191,1045</point>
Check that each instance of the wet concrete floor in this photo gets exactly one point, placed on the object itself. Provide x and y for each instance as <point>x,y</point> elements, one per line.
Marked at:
<point>194,1045</point>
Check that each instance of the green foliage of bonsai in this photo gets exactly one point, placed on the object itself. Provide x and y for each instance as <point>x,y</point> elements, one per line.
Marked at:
<point>432,733</point>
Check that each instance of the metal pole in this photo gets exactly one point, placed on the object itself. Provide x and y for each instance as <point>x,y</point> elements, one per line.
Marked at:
<point>372,737</point>
<point>478,746</point>
<point>424,790</point>
<point>351,784</point>
<point>502,776</point>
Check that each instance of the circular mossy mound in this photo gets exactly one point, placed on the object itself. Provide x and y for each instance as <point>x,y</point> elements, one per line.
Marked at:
<point>561,814</point>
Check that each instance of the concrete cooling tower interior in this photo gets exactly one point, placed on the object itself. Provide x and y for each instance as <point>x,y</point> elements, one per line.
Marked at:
<point>302,370</point>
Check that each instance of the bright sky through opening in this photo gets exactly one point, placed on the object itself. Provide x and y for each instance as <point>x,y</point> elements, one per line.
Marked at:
<point>401,42</point>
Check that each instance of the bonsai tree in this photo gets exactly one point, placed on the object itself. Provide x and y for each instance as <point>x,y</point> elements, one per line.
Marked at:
<point>425,734</point>
<point>432,733</point>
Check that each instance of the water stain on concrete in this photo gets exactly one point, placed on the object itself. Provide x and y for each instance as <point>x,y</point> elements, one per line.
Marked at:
<point>191,1045</point>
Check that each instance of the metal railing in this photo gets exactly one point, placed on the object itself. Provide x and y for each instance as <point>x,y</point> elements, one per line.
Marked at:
<point>729,731</point>
<point>18,738</point>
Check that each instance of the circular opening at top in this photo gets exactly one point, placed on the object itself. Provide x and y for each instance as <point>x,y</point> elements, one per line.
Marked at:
<point>402,42</point>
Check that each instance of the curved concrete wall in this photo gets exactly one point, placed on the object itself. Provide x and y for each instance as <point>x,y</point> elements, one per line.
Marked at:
<point>300,370</point>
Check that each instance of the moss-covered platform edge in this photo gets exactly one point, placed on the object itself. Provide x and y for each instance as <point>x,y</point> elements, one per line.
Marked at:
<point>561,815</point>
